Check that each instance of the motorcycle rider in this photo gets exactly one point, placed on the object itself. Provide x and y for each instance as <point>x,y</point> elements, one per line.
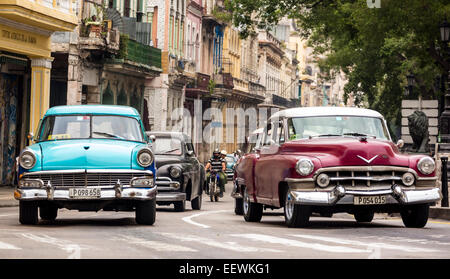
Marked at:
<point>217,164</point>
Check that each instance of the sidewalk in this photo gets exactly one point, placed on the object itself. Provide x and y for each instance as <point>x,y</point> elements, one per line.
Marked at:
<point>7,200</point>
<point>7,197</point>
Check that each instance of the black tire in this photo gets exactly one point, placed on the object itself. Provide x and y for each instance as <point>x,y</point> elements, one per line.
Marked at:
<point>212,193</point>
<point>196,203</point>
<point>180,206</point>
<point>295,215</point>
<point>415,216</point>
<point>252,211</point>
<point>28,213</point>
<point>146,212</point>
<point>363,216</point>
<point>48,212</point>
<point>239,206</point>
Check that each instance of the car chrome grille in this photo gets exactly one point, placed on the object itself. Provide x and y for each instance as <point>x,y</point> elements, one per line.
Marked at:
<point>84,179</point>
<point>364,177</point>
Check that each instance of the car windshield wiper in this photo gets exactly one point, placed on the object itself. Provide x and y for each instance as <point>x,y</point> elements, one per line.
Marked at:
<point>325,135</point>
<point>168,151</point>
<point>108,135</point>
<point>358,135</point>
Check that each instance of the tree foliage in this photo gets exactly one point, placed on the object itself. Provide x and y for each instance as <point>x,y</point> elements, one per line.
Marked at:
<point>375,47</point>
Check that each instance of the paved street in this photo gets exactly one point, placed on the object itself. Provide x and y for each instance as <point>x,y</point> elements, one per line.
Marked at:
<point>216,232</point>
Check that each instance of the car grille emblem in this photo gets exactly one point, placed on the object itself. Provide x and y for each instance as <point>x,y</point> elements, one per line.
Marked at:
<point>367,161</point>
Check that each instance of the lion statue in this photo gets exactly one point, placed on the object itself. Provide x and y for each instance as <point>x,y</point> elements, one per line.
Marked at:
<point>418,129</point>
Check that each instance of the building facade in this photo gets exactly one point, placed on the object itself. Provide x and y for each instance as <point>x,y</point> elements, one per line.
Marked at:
<point>26,28</point>
<point>109,59</point>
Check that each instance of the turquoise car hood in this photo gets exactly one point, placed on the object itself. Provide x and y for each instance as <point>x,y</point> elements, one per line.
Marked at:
<point>88,154</point>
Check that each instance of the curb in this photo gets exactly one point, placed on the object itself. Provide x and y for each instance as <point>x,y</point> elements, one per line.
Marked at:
<point>440,213</point>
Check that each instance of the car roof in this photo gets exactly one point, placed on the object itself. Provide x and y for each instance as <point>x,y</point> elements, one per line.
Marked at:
<point>93,109</point>
<point>326,111</point>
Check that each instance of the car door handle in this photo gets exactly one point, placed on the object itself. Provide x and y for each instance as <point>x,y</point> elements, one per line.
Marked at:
<point>86,147</point>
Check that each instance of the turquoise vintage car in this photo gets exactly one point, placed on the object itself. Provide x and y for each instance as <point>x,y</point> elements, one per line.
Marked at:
<point>87,157</point>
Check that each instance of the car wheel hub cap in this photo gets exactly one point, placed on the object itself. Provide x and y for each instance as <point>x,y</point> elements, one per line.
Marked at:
<point>246,202</point>
<point>289,207</point>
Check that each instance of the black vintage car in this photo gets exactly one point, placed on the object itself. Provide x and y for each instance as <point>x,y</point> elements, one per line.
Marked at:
<point>179,174</point>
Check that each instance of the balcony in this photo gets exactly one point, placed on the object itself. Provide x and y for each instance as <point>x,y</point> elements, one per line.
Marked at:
<point>52,15</point>
<point>98,36</point>
<point>144,54</point>
<point>199,87</point>
<point>136,59</point>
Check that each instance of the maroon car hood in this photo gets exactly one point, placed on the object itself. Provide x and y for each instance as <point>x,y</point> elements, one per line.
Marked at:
<point>349,151</point>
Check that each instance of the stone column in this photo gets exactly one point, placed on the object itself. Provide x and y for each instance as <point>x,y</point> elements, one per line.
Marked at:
<point>74,80</point>
<point>40,90</point>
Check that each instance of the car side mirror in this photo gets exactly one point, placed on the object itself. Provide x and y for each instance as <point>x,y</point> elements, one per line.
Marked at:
<point>31,136</point>
<point>190,153</point>
<point>400,143</point>
<point>152,138</point>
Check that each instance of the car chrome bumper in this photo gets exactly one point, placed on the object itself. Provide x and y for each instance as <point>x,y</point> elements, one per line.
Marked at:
<point>170,196</point>
<point>127,193</point>
<point>339,195</point>
<point>169,190</point>
<point>31,187</point>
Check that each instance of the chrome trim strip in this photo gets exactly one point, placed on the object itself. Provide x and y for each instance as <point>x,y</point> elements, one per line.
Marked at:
<point>75,171</point>
<point>370,168</point>
<point>365,168</point>
<point>367,178</point>
<point>55,172</point>
<point>293,180</point>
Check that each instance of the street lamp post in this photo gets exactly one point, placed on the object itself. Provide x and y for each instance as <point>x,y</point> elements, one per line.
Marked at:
<point>410,78</point>
<point>444,30</point>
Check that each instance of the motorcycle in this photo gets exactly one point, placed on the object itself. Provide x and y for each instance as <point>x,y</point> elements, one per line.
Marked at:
<point>213,186</point>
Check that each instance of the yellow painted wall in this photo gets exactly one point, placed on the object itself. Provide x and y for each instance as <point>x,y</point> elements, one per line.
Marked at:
<point>40,95</point>
<point>36,14</point>
<point>23,42</point>
<point>26,29</point>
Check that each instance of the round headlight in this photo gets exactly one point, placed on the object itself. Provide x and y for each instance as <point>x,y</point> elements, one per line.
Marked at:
<point>175,172</point>
<point>323,180</point>
<point>304,167</point>
<point>408,179</point>
<point>145,157</point>
<point>426,165</point>
<point>27,159</point>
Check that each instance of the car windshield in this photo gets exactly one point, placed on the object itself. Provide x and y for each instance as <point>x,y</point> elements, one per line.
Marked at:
<point>90,126</point>
<point>167,146</point>
<point>230,159</point>
<point>327,126</point>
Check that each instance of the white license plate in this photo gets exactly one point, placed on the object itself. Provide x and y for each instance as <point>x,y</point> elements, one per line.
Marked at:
<point>84,193</point>
<point>368,200</point>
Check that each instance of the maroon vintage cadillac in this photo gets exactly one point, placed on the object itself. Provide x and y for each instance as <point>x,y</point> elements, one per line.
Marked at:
<point>333,159</point>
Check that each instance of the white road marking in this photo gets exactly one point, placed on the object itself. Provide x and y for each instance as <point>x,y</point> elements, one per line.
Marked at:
<point>6,215</point>
<point>233,246</point>
<point>8,246</point>
<point>296,243</point>
<point>372,245</point>
<point>72,248</point>
<point>157,245</point>
<point>188,219</point>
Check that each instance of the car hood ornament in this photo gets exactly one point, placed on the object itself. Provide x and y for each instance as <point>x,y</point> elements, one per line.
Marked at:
<point>367,161</point>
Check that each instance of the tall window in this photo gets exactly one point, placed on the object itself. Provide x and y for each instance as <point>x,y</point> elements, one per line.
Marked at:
<point>126,8</point>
